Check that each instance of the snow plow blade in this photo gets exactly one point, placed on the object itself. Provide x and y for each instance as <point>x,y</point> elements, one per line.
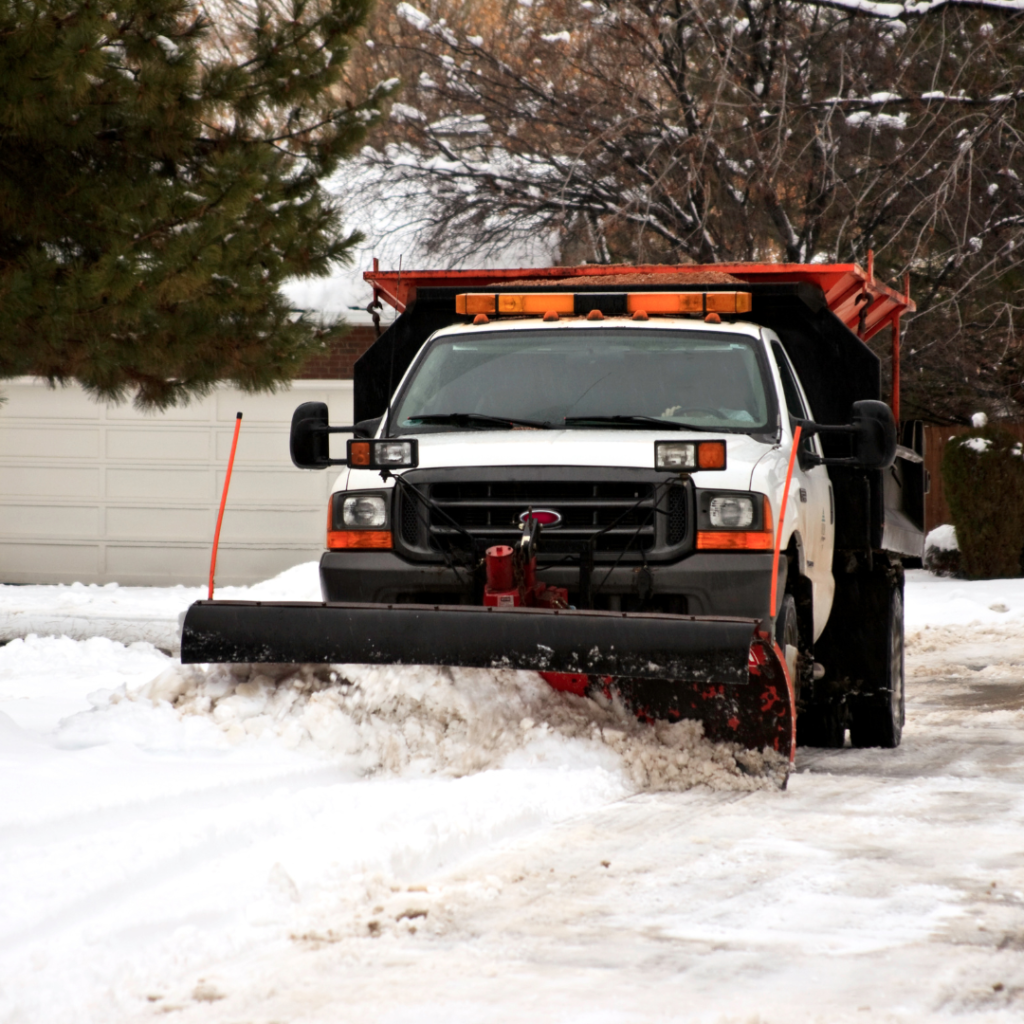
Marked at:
<point>600,643</point>
<point>664,666</point>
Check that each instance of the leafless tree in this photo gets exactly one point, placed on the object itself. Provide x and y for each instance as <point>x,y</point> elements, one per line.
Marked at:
<point>729,130</point>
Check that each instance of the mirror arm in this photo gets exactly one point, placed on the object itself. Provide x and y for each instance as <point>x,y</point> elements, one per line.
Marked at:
<point>332,430</point>
<point>809,427</point>
<point>809,458</point>
<point>812,459</point>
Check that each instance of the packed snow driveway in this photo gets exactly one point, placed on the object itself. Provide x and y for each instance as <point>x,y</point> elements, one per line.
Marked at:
<point>398,846</point>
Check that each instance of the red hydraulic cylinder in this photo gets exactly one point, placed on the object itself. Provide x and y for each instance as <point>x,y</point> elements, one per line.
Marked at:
<point>501,590</point>
<point>499,567</point>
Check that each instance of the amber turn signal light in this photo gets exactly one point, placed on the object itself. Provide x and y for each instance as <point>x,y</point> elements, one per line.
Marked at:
<point>359,453</point>
<point>344,539</point>
<point>711,455</point>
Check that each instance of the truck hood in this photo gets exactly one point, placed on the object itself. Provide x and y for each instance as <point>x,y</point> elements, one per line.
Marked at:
<point>632,449</point>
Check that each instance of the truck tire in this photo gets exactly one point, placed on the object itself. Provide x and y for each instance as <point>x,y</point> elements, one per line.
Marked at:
<point>787,626</point>
<point>818,723</point>
<point>877,716</point>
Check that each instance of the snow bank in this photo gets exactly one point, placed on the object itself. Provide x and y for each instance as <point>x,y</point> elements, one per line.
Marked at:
<point>125,614</point>
<point>299,583</point>
<point>454,721</point>
<point>46,679</point>
<point>391,720</point>
<point>936,602</point>
<point>132,614</point>
<point>167,817</point>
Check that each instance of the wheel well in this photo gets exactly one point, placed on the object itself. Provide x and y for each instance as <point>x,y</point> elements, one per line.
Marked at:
<point>803,594</point>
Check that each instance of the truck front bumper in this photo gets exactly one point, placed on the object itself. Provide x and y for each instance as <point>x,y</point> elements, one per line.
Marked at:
<point>711,582</point>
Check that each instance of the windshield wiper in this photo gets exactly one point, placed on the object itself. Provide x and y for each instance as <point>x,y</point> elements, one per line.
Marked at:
<point>476,419</point>
<point>629,421</point>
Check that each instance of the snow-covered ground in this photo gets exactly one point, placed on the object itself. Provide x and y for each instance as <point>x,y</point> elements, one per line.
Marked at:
<point>399,845</point>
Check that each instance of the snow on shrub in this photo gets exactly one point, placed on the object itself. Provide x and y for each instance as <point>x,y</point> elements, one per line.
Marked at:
<point>941,551</point>
<point>983,474</point>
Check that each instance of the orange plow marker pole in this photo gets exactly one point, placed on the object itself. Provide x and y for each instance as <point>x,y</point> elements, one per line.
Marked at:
<point>224,501</point>
<point>779,524</point>
<point>779,652</point>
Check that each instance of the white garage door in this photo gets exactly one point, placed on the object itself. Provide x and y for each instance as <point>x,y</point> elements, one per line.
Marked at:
<point>102,493</point>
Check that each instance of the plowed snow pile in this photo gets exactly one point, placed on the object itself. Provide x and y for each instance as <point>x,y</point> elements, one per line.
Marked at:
<point>455,721</point>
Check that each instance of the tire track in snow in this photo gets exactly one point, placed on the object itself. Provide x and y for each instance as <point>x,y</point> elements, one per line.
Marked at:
<point>113,826</point>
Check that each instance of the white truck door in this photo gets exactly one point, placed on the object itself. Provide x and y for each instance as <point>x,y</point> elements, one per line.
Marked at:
<point>813,491</point>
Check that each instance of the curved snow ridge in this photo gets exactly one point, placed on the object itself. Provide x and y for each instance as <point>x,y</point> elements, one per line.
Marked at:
<point>936,602</point>
<point>132,614</point>
<point>416,721</point>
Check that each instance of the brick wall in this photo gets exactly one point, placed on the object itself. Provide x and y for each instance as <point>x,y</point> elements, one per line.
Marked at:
<point>338,363</point>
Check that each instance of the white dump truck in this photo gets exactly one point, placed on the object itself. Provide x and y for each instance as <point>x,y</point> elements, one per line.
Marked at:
<point>590,472</point>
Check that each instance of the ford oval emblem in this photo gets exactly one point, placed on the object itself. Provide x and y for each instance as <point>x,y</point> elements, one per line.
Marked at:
<point>547,517</point>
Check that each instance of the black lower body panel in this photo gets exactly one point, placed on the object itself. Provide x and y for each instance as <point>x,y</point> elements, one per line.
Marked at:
<point>732,583</point>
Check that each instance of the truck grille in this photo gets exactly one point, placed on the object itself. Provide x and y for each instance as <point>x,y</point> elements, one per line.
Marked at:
<point>676,527</point>
<point>410,523</point>
<point>621,513</point>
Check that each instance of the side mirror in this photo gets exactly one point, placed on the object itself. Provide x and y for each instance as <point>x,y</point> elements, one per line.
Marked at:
<point>310,441</point>
<point>874,437</point>
<point>874,440</point>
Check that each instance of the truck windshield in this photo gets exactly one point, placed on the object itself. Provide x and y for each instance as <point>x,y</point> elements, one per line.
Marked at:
<point>617,375</point>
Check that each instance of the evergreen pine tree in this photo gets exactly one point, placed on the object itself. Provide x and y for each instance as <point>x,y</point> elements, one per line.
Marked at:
<point>159,178</point>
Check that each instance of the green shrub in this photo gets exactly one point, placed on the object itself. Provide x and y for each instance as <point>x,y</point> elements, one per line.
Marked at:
<point>983,474</point>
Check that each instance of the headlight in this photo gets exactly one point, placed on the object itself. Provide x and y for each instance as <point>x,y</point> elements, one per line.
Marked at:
<point>729,512</point>
<point>734,521</point>
<point>368,511</point>
<point>392,453</point>
<point>675,455</point>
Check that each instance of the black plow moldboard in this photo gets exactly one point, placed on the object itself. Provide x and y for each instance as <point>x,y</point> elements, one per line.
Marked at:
<point>643,646</point>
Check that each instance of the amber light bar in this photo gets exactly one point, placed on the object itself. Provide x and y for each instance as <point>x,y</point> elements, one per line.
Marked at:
<point>607,303</point>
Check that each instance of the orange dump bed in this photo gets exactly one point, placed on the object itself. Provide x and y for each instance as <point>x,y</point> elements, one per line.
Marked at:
<point>854,295</point>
